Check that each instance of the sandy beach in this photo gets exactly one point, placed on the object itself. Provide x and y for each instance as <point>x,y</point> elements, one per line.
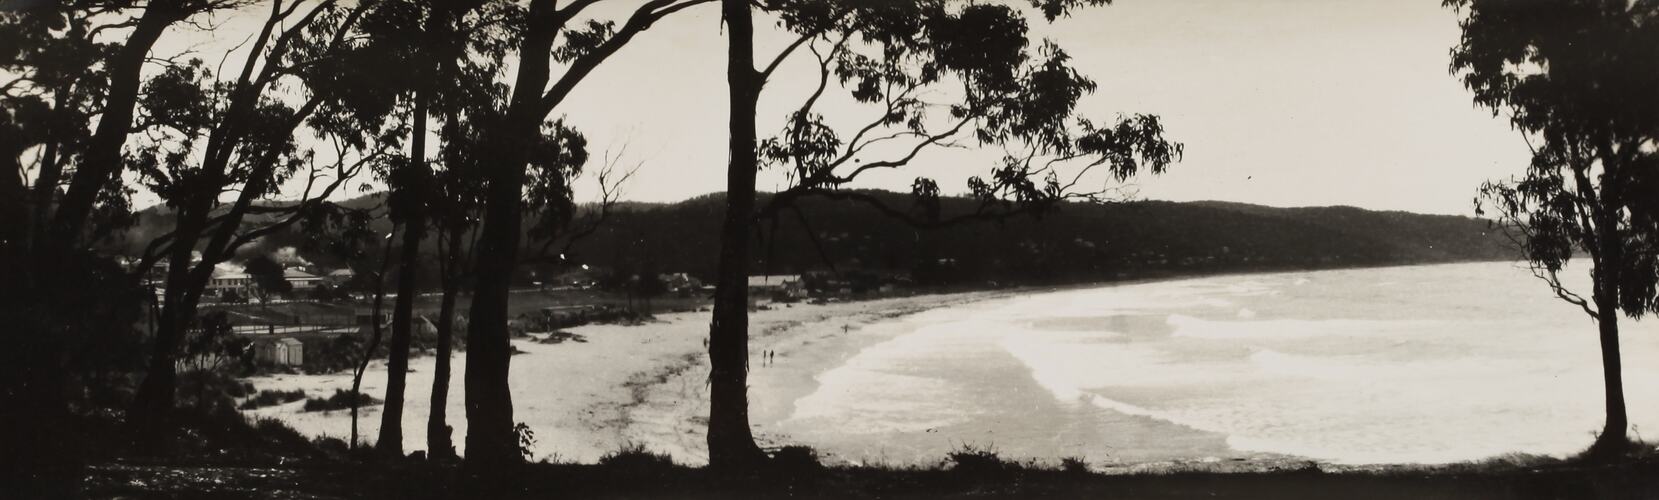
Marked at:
<point>1252,371</point>
<point>643,384</point>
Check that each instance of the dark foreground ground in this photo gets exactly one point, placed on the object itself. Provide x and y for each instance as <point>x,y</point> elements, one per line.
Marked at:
<point>135,479</point>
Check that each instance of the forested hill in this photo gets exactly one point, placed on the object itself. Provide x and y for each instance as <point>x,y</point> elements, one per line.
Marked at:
<point>1080,242</point>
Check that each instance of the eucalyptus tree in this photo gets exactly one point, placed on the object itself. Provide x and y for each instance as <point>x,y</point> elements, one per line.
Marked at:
<point>71,72</point>
<point>1579,79</point>
<point>454,218</point>
<point>86,59</point>
<point>236,138</point>
<point>510,142</point>
<point>395,69</point>
<point>892,55</point>
<point>468,46</point>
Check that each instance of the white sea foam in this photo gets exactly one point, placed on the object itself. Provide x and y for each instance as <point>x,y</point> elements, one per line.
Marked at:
<point>1188,326</point>
<point>1466,363</point>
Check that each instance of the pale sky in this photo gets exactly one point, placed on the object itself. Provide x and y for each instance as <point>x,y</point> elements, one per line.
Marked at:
<point>1279,102</point>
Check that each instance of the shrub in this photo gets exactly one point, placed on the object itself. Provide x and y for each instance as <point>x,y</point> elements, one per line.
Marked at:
<point>271,398</point>
<point>526,440</point>
<point>795,459</point>
<point>341,400</point>
<point>277,431</point>
<point>1074,465</point>
<point>979,461</point>
<point>561,336</point>
<point>223,432</point>
<point>634,458</point>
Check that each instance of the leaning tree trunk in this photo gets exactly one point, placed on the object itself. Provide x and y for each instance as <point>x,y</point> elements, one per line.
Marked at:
<point>731,445</point>
<point>390,440</point>
<point>439,442</point>
<point>374,339</point>
<point>153,402</point>
<point>102,159</point>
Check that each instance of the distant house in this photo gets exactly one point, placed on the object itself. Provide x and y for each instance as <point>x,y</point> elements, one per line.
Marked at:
<point>339,277</point>
<point>301,280</point>
<point>777,285</point>
<point>285,351</point>
<point>223,281</point>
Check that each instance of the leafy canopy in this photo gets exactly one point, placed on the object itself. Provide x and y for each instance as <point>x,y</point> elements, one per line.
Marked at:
<point>1580,80</point>
<point>1002,90</point>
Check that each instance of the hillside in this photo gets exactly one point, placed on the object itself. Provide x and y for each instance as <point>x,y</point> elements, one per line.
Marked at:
<point>1080,242</point>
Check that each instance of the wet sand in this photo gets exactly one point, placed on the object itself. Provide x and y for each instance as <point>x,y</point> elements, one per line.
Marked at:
<point>642,384</point>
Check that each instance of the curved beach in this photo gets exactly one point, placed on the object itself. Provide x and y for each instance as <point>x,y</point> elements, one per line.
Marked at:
<point>1398,365</point>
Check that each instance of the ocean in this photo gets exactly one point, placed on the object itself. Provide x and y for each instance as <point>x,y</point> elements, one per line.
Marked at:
<point>1414,364</point>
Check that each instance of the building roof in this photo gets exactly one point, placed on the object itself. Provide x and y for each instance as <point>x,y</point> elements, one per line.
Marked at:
<point>289,341</point>
<point>773,280</point>
<point>295,274</point>
<point>342,272</point>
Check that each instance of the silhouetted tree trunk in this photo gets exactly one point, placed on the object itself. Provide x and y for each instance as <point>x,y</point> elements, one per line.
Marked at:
<point>154,401</point>
<point>99,163</point>
<point>50,173</point>
<point>198,216</point>
<point>439,442</point>
<point>102,159</point>
<point>1613,436</point>
<point>1614,439</point>
<point>374,341</point>
<point>491,439</point>
<point>390,441</point>
<point>13,206</point>
<point>731,445</point>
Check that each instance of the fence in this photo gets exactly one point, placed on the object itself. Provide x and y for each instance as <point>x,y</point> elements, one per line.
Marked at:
<point>271,329</point>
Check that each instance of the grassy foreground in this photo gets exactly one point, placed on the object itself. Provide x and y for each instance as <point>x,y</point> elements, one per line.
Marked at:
<point>639,475</point>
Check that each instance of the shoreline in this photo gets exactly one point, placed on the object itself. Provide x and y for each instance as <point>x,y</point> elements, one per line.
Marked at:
<point>646,384</point>
<point>670,414</point>
<point>585,398</point>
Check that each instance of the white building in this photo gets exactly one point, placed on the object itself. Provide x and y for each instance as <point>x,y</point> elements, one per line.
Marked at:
<point>301,280</point>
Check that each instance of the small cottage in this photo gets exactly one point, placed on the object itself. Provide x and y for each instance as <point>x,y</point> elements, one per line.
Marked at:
<point>285,351</point>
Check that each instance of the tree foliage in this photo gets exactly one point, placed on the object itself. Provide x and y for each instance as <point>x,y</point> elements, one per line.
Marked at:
<point>1004,92</point>
<point>267,275</point>
<point>1580,80</point>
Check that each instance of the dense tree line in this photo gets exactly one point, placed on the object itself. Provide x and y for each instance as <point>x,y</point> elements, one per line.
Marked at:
<point>1075,242</point>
